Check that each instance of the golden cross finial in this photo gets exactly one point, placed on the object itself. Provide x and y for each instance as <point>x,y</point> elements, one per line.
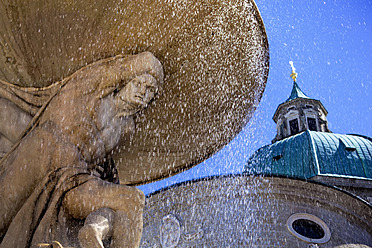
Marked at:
<point>294,74</point>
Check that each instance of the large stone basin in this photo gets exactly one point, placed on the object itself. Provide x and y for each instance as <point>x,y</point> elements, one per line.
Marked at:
<point>214,53</point>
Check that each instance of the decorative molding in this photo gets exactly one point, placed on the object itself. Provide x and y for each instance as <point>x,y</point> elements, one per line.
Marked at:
<point>170,231</point>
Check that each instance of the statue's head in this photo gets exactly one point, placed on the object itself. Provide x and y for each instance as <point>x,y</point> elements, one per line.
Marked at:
<point>93,96</point>
<point>135,84</point>
<point>136,94</point>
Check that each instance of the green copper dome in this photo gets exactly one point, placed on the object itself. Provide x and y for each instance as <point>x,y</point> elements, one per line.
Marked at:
<point>311,153</point>
<point>296,93</point>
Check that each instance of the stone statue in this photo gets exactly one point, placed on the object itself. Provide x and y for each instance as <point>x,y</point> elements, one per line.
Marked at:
<point>61,174</point>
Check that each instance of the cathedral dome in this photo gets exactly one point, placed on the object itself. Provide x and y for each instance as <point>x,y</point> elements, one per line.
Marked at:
<point>305,148</point>
<point>310,153</point>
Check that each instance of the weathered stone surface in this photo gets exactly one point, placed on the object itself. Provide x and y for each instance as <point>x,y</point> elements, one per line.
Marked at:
<point>13,122</point>
<point>352,246</point>
<point>75,68</point>
<point>214,54</point>
<point>59,173</point>
<point>245,211</point>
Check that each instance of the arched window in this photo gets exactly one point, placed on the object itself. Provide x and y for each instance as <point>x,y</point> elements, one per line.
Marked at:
<point>311,123</point>
<point>294,127</point>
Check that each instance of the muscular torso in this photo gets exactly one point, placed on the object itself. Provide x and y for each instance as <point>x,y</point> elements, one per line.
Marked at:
<point>49,147</point>
<point>40,152</point>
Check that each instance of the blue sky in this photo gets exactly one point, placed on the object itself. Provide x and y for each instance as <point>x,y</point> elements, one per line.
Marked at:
<point>330,43</point>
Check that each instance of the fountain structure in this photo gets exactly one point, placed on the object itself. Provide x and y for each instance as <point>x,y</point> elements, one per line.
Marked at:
<point>98,96</point>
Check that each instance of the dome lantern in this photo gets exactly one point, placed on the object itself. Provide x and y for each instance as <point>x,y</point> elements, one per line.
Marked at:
<point>299,113</point>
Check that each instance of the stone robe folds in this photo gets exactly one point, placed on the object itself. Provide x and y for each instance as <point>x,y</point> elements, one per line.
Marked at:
<point>42,219</point>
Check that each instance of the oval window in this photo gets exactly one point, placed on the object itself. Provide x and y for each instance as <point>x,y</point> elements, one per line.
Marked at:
<point>309,228</point>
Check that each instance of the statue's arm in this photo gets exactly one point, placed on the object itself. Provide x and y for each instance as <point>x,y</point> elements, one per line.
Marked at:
<point>96,193</point>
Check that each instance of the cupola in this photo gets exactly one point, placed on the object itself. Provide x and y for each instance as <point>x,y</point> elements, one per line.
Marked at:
<point>299,113</point>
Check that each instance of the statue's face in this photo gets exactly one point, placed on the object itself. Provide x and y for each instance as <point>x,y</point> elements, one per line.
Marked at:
<point>136,94</point>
